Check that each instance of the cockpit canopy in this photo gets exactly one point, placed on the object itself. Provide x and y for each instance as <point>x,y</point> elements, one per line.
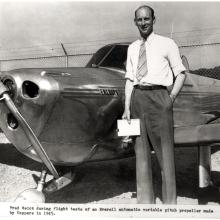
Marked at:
<point>110,56</point>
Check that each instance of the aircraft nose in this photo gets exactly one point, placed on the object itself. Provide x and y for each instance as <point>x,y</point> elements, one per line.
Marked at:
<point>14,118</point>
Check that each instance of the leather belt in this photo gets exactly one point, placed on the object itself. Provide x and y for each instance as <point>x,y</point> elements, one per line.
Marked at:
<point>155,87</point>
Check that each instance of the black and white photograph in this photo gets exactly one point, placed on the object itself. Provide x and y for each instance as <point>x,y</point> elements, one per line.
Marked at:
<point>110,107</point>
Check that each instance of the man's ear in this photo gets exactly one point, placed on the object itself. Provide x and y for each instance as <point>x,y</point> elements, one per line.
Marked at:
<point>135,23</point>
<point>154,20</point>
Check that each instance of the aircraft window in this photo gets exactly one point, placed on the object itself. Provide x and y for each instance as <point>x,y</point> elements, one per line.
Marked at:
<point>98,56</point>
<point>116,58</point>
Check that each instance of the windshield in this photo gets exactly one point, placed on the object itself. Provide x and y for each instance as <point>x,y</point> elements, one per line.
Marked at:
<point>113,56</point>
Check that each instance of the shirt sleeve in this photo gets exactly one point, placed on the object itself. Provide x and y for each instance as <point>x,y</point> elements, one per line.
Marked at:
<point>129,69</point>
<point>175,59</point>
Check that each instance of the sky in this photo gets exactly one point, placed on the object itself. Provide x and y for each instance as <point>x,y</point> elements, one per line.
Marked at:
<point>48,24</point>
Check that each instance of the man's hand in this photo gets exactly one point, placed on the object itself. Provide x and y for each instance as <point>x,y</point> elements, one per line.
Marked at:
<point>178,84</point>
<point>127,115</point>
<point>173,97</point>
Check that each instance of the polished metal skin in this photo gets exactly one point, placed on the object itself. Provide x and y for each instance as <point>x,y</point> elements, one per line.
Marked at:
<point>73,111</point>
<point>73,114</point>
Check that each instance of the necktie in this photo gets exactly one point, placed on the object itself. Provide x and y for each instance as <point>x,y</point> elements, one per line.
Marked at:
<point>142,62</point>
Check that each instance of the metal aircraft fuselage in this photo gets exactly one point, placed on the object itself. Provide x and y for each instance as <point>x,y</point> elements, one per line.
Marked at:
<point>73,111</point>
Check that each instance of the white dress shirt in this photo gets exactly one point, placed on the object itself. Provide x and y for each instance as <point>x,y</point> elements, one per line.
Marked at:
<point>163,61</point>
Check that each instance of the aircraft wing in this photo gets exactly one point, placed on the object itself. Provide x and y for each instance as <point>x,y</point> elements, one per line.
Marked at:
<point>201,135</point>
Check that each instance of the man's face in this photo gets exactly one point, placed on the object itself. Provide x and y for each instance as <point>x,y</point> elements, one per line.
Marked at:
<point>144,22</point>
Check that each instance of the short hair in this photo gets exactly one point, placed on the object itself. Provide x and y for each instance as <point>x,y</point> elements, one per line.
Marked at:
<point>145,6</point>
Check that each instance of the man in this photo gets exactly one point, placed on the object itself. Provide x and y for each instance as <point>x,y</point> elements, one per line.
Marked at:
<point>153,63</point>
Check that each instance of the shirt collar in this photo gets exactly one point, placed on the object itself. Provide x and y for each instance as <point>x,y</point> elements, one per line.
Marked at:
<point>149,39</point>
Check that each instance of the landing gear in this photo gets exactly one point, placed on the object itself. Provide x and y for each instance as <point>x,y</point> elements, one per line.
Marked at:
<point>34,195</point>
<point>57,184</point>
<point>207,190</point>
<point>204,166</point>
<point>37,195</point>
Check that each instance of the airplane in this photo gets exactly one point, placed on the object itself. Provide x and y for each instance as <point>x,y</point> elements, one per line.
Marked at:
<point>63,117</point>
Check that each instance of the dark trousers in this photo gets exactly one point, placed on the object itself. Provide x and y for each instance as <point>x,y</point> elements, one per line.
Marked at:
<point>154,108</point>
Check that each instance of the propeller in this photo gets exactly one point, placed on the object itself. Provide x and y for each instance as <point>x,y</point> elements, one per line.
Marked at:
<point>29,195</point>
<point>27,130</point>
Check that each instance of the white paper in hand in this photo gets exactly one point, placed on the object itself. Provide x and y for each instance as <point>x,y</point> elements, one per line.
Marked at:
<point>126,129</point>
